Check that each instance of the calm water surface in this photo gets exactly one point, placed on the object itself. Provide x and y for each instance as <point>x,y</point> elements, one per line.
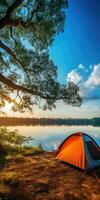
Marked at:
<point>51,136</point>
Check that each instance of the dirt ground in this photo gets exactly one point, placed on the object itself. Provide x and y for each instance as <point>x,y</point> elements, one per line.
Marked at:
<point>42,177</point>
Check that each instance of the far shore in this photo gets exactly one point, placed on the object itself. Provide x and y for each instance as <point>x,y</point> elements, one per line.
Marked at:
<point>14,121</point>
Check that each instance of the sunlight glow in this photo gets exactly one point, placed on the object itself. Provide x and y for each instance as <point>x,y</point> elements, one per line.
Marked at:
<point>7,108</point>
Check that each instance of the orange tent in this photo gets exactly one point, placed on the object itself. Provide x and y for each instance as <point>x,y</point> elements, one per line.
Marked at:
<point>80,150</point>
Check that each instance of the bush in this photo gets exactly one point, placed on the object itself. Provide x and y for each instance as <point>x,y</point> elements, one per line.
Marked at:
<point>3,150</point>
<point>11,141</point>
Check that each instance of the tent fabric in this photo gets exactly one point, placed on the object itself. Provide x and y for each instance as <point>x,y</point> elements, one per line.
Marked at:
<point>93,150</point>
<point>79,150</point>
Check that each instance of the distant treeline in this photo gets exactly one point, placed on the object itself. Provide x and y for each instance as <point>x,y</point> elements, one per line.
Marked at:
<point>4,121</point>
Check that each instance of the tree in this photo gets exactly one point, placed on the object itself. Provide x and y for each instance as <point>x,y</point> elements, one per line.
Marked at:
<point>27,74</point>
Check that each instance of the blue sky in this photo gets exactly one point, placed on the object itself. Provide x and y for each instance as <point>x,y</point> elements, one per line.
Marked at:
<point>80,42</point>
<point>76,52</point>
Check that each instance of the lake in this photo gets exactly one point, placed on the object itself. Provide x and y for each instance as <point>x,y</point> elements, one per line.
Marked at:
<point>51,136</point>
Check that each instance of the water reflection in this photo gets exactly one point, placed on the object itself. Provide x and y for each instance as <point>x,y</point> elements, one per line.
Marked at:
<point>51,136</point>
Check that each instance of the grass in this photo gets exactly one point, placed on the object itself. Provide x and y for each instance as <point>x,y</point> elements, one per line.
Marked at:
<point>12,146</point>
<point>33,150</point>
<point>10,178</point>
<point>16,157</point>
<point>18,154</point>
<point>43,177</point>
<point>19,157</point>
<point>4,191</point>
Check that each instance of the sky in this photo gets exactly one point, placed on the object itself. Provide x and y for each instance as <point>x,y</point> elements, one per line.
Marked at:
<point>76,52</point>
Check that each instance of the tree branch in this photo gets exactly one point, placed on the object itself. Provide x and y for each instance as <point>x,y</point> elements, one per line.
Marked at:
<point>15,22</point>
<point>11,33</point>
<point>6,19</point>
<point>15,86</point>
<point>9,51</point>
<point>13,7</point>
<point>4,62</point>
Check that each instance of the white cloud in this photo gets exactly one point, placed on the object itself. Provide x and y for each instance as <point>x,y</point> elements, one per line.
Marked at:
<point>94,79</point>
<point>81,66</point>
<point>73,76</point>
<point>88,85</point>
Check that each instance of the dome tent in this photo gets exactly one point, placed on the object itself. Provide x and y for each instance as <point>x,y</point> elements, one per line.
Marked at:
<point>80,150</point>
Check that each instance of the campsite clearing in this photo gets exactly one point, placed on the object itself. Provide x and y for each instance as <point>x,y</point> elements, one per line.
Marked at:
<point>43,177</point>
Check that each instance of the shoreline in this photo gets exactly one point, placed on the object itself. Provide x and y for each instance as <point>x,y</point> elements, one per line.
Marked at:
<point>18,121</point>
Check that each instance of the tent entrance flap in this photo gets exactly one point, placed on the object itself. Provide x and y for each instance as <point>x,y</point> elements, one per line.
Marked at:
<point>93,150</point>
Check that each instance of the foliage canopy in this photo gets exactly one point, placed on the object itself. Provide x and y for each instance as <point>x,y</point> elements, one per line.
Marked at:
<point>28,76</point>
